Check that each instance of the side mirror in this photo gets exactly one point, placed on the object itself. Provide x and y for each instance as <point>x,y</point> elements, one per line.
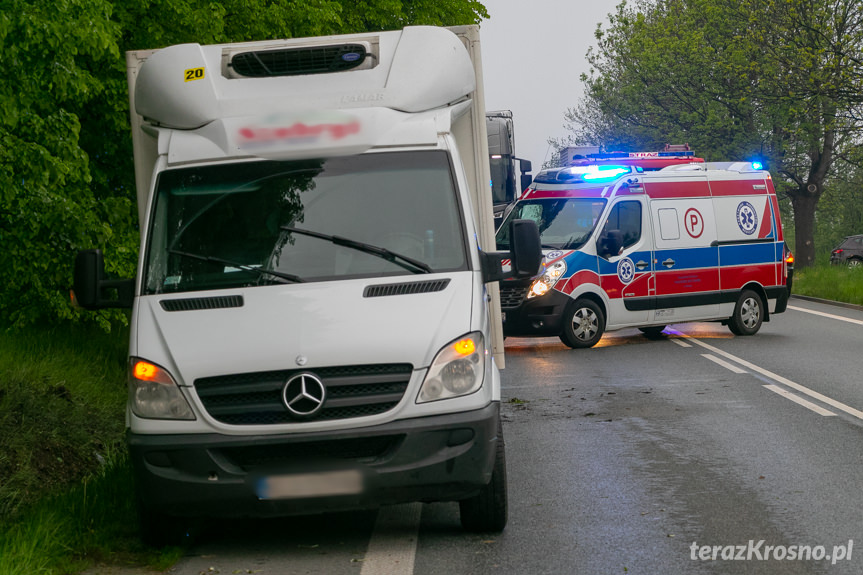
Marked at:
<point>93,290</point>
<point>525,254</point>
<point>525,167</point>
<point>609,243</point>
<point>526,179</point>
<point>525,247</point>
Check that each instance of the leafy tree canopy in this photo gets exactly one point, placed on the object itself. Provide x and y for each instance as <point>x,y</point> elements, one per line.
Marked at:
<point>736,79</point>
<point>66,171</point>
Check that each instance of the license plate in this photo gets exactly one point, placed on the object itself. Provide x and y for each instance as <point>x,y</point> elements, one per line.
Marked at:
<point>300,485</point>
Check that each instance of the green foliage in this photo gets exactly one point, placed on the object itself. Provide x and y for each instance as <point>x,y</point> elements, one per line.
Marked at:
<point>66,169</point>
<point>47,208</point>
<point>62,392</point>
<point>736,80</point>
<point>835,283</point>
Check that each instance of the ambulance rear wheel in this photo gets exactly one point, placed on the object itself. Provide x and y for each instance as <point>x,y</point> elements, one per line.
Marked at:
<point>583,324</point>
<point>748,314</point>
<point>652,332</point>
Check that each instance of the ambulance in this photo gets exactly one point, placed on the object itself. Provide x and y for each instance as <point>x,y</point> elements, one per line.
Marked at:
<point>626,247</point>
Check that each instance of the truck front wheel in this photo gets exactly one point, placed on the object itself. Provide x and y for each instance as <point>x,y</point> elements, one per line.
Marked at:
<point>487,511</point>
<point>158,530</point>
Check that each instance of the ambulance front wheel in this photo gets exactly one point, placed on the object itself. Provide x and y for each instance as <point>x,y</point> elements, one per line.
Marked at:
<point>583,324</point>
<point>748,314</point>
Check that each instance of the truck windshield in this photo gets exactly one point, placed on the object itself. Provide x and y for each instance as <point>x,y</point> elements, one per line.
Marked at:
<point>264,222</point>
<point>564,223</point>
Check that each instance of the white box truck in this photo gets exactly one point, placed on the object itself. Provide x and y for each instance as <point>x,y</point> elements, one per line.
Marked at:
<point>315,322</point>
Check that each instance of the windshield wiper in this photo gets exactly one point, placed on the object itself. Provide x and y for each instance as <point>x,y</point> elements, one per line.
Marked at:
<point>406,262</point>
<point>244,267</point>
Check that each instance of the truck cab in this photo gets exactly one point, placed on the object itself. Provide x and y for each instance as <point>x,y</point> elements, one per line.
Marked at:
<point>314,318</point>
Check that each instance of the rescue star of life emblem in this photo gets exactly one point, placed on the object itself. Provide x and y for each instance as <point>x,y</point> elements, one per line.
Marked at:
<point>625,270</point>
<point>747,218</point>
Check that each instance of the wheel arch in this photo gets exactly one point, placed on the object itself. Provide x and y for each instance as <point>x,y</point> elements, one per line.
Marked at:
<point>597,298</point>
<point>762,295</point>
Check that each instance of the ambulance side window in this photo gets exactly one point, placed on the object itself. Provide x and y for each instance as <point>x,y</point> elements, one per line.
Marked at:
<point>622,229</point>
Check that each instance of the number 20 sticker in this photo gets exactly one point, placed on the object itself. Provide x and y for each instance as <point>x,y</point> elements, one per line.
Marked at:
<point>194,74</point>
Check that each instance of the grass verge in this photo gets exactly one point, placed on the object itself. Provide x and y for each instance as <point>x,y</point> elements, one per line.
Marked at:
<point>66,497</point>
<point>835,283</point>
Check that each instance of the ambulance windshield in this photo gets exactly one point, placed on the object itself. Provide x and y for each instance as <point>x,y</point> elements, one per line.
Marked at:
<point>564,223</point>
<point>264,222</point>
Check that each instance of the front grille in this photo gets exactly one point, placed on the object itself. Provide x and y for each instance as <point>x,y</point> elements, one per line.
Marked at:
<point>297,61</point>
<point>365,449</point>
<point>512,296</point>
<point>256,398</point>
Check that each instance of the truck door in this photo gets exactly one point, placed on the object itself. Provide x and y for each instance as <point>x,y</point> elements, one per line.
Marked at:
<point>625,249</point>
<point>686,259</point>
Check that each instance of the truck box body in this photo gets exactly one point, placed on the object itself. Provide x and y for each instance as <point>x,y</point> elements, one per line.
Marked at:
<point>315,321</point>
<point>630,248</point>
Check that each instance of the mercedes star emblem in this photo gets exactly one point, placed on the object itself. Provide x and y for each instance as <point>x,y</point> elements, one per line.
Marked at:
<point>304,395</point>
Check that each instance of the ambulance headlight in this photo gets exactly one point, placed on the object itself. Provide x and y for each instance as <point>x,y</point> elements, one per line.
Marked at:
<point>543,284</point>
<point>153,393</point>
<point>458,369</point>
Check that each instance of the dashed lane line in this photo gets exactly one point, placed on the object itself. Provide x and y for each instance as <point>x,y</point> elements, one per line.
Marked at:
<point>778,378</point>
<point>800,401</point>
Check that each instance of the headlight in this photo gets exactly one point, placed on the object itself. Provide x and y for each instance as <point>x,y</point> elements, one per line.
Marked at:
<point>457,370</point>
<point>153,393</point>
<point>543,284</point>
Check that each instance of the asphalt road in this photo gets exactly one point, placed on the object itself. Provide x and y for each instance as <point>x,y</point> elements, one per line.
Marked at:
<point>698,452</point>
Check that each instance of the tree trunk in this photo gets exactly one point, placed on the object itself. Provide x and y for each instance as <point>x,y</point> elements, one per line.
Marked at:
<point>804,202</point>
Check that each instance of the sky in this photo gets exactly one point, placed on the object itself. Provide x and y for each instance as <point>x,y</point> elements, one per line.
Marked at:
<point>533,55</point>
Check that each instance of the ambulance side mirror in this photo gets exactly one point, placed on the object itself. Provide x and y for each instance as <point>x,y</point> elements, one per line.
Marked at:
<point>609,243</point>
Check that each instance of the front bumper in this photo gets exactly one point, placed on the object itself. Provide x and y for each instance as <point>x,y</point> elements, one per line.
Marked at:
<point>440,458</point>
<point>539,316</point>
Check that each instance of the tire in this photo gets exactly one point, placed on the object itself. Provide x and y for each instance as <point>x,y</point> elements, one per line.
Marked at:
<point>652,332</point>
<point>159,530</point>
<point>748,314</point>
<point>583,324</point>
<point>855,263</point>
<point>488,511</point>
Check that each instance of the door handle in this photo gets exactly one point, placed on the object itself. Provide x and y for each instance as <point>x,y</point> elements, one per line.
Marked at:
<point>641,265</point>
<point>668,263</point>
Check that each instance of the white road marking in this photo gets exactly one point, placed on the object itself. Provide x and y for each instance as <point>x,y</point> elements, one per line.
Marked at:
<point>723,363</point>
<point>393,545</point>
<point>799,400</point>
<point>830,315</point>
<point>778,378</point>
<point>680,342</point>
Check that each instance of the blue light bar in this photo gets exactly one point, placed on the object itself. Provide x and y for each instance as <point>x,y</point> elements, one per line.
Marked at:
<point>604,173</point>
<point>756,165</point>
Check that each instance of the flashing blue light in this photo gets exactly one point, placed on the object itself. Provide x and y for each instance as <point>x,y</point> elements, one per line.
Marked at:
<point>604,173</point>
<point>756,165</point>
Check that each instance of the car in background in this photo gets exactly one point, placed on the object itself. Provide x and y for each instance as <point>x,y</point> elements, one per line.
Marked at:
<point>849,252</point>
